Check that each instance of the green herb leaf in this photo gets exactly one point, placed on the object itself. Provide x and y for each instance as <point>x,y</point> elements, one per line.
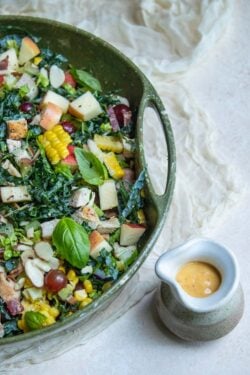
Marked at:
<point>34,320</point>
<point>86,79</point>
<point>23,91</point>
<point>72,242</point>
<point>134,201</point>
<point>91,169</point>
<point>64,170</point>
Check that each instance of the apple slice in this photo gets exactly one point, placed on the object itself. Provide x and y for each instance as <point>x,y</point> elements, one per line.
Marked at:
<point>85,107</point>
<point>59,100</point>
<point>108,195</point>
<point>28,50</point>
<point>98,243</point>
<point>50,116</point>
<point>131,233</point>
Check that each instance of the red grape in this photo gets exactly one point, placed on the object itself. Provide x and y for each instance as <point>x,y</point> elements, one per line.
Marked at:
<point>55,280</point>
<point>26,107</point>
<point>121,112</point>
<point>68,127</point>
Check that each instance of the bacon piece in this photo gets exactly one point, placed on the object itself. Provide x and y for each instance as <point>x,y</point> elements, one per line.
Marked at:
<point>9,295</point>
<point>14,307</point>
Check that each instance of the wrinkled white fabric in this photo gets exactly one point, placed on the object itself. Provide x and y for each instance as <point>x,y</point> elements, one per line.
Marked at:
<point>165,38</point>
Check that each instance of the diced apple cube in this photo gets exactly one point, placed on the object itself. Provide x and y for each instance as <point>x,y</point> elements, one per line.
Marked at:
<point>131,233</point>
<point>98,243</point>
<point>50,116</point>
<point>11,194</point>
<point>59,100</point>
<point>28,50</point>
<point>17,129</point>
<point>85,107</point>
<point>108,195</point>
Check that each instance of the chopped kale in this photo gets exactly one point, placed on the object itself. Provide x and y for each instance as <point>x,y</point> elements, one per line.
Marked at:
<point>130,199</point>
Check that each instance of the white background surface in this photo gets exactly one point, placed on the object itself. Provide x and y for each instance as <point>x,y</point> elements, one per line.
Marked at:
<point>137,343</point>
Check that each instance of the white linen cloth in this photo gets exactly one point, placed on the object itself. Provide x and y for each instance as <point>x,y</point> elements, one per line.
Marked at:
<point>165,39</point>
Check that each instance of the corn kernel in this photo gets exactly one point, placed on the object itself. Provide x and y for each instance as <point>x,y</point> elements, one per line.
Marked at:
<point>41,306</point>
<point>73,279</point>
<point>106,286</point>
<point>27,283</point>
<point>113,166</point>
<point>88,286</point>
<point>108,143</point>
<point>50,136</point>
<point>54,312</point>
<point>71,275</point>
<point>37,60</point>
<point>141,217</point>
<point>80,295</point>
<point>61,268</point>
<point>55,142</point>
<point>85,302</point>
<point>49,320</point>
<point>21,325</point>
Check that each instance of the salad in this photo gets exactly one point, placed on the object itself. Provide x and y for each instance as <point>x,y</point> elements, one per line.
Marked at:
<point>71,205</point>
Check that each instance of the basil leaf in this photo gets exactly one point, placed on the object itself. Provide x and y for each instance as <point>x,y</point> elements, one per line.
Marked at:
<point>72,242</point>
<point>34,320</point>
<point>84,78</point>
<point>91,169</point>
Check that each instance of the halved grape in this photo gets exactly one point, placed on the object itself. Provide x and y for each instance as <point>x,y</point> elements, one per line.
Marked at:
<point>55,280</point>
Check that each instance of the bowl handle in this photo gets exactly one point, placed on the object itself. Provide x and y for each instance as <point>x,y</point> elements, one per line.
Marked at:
<point>151,99</point>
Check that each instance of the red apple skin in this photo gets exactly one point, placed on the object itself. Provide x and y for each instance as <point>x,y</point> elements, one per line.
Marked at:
<point>135,225</point>
<point>71,149</point>
<point>69,79</point>
<point>1,80</point>
<point>70,160</point>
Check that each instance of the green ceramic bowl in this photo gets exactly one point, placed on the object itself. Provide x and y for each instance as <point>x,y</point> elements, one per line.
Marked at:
<point>115,71</point>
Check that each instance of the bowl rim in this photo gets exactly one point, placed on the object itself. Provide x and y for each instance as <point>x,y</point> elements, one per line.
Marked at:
<point>149,95</point>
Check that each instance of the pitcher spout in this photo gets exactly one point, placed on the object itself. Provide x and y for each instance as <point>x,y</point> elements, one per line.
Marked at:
<point>206,252</point>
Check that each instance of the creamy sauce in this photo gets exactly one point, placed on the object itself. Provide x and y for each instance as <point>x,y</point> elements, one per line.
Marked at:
<point>199,279</point>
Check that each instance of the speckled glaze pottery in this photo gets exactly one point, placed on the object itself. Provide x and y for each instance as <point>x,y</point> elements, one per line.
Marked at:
<point>115,72</point>
<point>199,319</point>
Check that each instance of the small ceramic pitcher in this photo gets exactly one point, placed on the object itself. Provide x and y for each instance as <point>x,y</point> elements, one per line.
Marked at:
<point>199,319</point>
